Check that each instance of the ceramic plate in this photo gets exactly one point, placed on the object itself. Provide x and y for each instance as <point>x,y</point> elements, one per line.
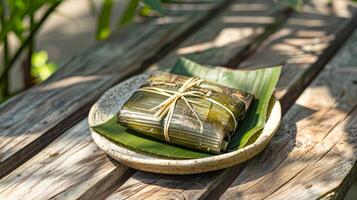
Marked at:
<point>112,101</point>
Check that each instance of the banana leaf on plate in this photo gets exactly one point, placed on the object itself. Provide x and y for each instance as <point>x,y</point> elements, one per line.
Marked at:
<point>260,82</point>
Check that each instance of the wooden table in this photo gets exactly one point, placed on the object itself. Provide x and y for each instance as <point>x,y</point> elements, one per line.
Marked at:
<point>45,146</point>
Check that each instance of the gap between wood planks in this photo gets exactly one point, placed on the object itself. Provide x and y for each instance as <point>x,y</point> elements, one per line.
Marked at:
<point>341,192</point>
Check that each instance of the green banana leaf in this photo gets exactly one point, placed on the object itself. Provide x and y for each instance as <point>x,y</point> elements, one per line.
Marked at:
<point>260,82</point>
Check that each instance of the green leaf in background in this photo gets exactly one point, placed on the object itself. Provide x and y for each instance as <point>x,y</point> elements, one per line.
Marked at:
<point>41,67</point>
<point>260,82</point>
<point>129,13</point>
<point>103,24</point>
<point>145,11</point>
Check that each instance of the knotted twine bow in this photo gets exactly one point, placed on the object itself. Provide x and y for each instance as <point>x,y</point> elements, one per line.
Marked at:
<point>167,107</point>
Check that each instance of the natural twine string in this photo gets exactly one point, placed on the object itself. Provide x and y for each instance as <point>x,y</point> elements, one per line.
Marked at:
<point>167,107</point>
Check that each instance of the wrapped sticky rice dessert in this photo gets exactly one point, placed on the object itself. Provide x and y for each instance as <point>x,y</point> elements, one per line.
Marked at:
<point>186,111</point>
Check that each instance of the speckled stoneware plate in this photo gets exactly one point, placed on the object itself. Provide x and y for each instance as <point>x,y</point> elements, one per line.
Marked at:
<point>112,101</point>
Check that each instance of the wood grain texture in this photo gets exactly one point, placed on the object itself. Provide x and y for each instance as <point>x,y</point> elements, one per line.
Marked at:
<point>93,61</point>
<point>304,45</point>
<point>155,186</point>
<point>66,169</point>
<point>233,33</point>
<point>311,29</point>
<point>315,151</point>
<point>31,120</point>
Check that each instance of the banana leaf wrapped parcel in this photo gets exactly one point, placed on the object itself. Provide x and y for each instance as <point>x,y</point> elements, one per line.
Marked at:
<point>186,111</point>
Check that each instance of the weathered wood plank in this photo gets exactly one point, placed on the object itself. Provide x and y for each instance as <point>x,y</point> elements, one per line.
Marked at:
<point>311,29</point>
<point>315,151</point>
<point>71,169</point>
<point>85,177</point>
<point>33,119</point>
<point>234,33</point>
<point>326,175</point>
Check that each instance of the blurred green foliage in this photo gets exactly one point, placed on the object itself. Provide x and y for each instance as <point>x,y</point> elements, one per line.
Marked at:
<point>103,24</point>
<point>42,68</point>
<point>143,7</point>
<point>21,19</point>
<point>15,12</point>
